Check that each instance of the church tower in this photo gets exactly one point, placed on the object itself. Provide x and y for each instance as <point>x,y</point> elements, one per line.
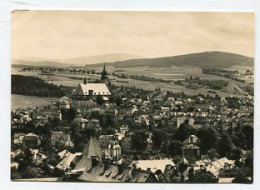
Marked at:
<point>104,77</point>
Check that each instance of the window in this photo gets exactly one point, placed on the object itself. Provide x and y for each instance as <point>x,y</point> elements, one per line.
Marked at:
<point>90,92</point>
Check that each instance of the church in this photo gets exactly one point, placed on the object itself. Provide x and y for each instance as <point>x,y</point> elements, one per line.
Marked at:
<point>85,89</point>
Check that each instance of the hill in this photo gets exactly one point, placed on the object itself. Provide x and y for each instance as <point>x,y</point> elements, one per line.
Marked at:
<point>34,86</point>
<point>198,60</point>
<point>233,89</point>
<point>17,63</point>
<point>79,61</point>
<point>106,58</point>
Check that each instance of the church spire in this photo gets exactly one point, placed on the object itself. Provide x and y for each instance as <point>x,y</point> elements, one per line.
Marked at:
<point>104,74</point>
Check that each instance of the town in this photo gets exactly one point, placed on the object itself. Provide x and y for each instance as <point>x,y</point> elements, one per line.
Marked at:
<point>105,133</point>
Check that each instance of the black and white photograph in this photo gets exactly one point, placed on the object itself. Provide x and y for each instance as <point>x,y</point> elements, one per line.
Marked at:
<point>132,96</point>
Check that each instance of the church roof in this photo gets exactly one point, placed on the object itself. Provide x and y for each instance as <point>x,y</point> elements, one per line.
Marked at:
<point>97,88</point>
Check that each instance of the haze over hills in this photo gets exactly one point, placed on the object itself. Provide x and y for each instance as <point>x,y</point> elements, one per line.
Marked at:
<point>199,60</point>
<point>79,61</point>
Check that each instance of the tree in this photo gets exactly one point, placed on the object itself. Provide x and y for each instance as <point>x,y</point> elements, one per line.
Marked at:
<point>100,100</point>
<point>248,133</point>
<point>175,148</point>
<point>139,140</point>
<point>202,176</point>
<point>241,178</point>
<point>236,154</point>
<point>224,146</point>
<point>15,174</point>
<point>208,138</point>
<point>110,121</point>
<point>24,159</point>
<point>55,122</point>
<point>184,131</point>
<point>30,172</point>
<point>118,101</point>
<point>158,138</point>
<point>90,132</point>
<point>212,154</point>
<point>71,114</point>
<point>249,160</point>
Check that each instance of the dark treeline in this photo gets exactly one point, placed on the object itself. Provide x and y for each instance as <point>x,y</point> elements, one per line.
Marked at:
<point>34,86</point>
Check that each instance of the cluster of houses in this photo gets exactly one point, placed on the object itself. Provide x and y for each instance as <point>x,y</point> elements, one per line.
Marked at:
<point>104,158</point>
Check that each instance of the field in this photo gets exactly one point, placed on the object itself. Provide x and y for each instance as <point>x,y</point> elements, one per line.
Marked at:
<point>173,74</point>
<point>20,101</point>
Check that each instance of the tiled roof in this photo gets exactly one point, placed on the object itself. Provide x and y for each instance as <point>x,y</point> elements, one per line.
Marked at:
<point>113,173</point>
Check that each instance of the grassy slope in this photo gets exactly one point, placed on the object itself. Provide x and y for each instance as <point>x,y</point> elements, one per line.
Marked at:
<point>198,60</point>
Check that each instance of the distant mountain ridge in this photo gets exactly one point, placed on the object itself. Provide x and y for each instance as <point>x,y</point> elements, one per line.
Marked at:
<point>212,59</point>
<point>199,60</point>
<point>79,61</point>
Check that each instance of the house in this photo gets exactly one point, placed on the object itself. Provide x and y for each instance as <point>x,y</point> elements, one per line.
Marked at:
<point>31,141</point>
<point>113,150</point>
<point>104,140</point>
<point>60,138</point>
<point>192,139</point>
<point>143,119</point>
<point>64,103</point>
<point>81,121</point>
<point>177,121</point>
<point>69,161</point>
<point>18,138</point>
<point>222,163</point>
<point>119,136</point>
<point>25,119</point>
<point>190,150</point>
<point>85,106</point>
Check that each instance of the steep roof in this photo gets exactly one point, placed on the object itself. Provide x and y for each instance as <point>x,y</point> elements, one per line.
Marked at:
<point>98,89</point>
<point>114,173</point>
<point>65,163</point>
<point>92,149</point>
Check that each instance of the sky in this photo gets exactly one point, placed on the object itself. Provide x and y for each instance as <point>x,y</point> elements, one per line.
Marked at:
<point>72,34</point>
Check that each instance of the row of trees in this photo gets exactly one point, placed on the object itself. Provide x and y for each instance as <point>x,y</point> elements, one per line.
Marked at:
<point>226,144</point>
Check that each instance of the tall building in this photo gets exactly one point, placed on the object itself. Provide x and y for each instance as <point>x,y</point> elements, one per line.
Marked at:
<point>85,89</point>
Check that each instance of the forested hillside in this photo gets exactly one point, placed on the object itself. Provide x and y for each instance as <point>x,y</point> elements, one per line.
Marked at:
<point>34,86</point>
